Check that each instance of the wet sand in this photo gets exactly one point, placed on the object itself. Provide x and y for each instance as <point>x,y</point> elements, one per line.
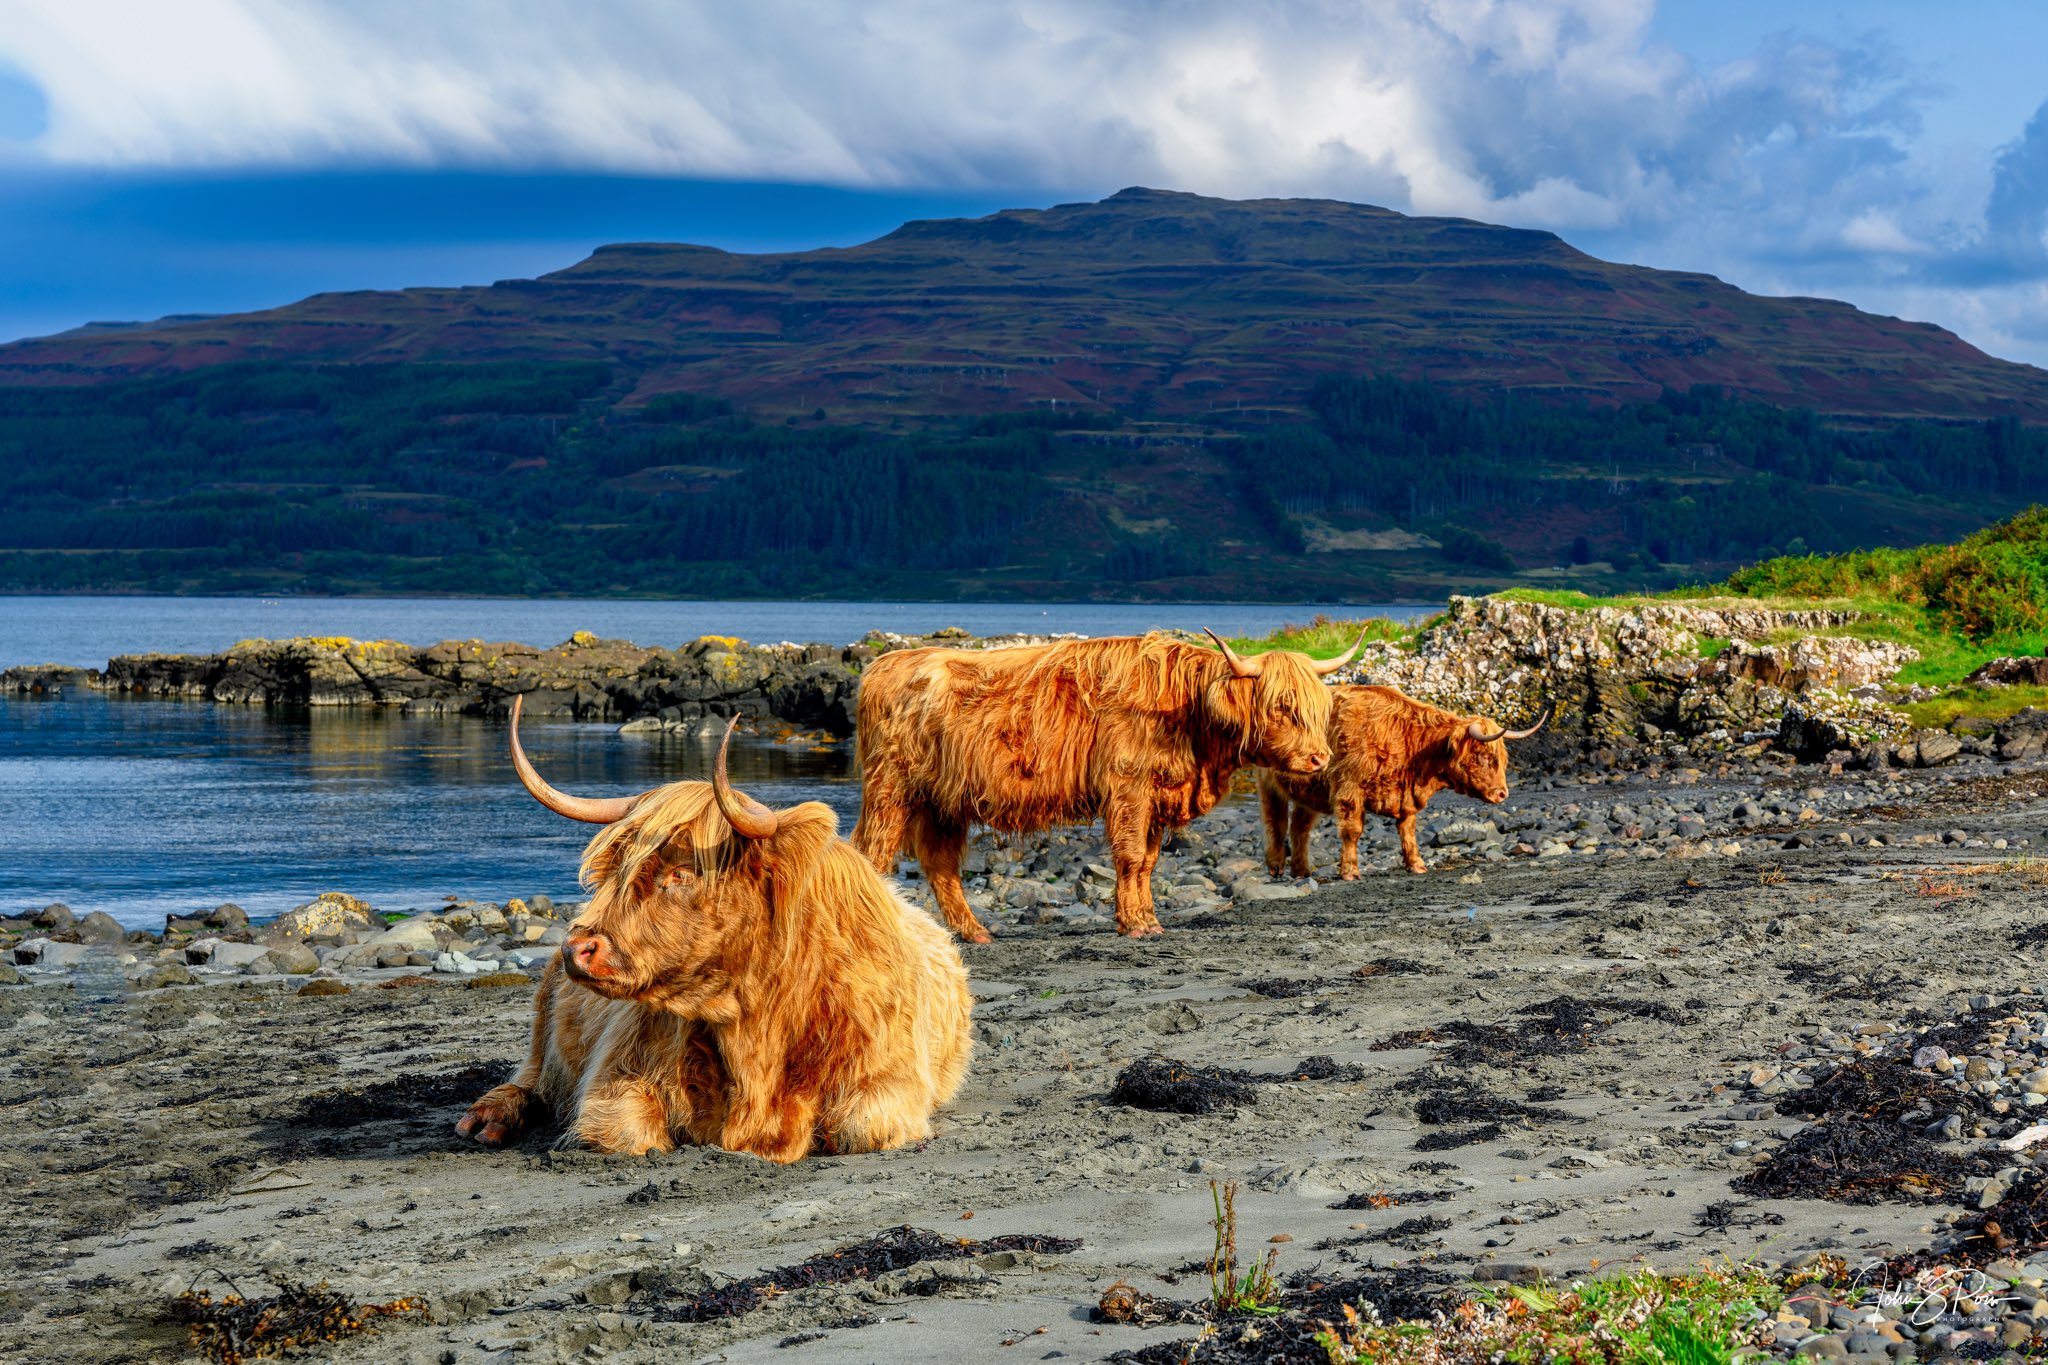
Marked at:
<point>199,1137</point>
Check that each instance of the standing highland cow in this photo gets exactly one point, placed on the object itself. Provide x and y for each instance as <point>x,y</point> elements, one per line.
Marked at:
<point>1143,732</point>
<point>741,978</point>
<point>1389,754</point>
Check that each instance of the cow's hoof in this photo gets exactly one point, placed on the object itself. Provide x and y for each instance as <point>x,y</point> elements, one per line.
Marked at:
<point>1349,876</point>
<point>977,936</point>
<point>489,1122</point>
<point>1418,868</point>
<point>1152,930</point>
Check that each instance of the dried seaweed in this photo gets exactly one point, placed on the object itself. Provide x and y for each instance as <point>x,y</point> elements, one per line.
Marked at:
<point>1555,1028</point>
<point>896,1249</point>
<point>1857,1160</point>
<point>1280,987</point>
<point>401,1097</point>
<point>1381,1199</point>
<point>1445,1139</point>
<point>1876,1088</point>
<point>2015,1228</point>
<point>232,1329</point>
<point>1169,1087</point>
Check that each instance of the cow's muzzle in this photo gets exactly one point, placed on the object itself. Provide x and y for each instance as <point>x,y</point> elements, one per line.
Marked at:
<point>590,958</point>
<point>1308,764</point>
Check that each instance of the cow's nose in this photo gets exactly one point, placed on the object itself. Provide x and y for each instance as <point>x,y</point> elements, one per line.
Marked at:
<point>586,956</point>
<point>1316,762</point>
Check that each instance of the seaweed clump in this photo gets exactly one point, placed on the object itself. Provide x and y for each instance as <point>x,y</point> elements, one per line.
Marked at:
<point>1868,1144</point>
<point>2015,1228</point>
<point>1559,1027</point>
<point>1169,1087</point>
<point>897,1249</point>
<point>232,1329</point>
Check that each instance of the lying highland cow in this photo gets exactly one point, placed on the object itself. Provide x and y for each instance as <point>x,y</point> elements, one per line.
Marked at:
<point>1389,754</point>
<point>740,978</point>
<point>1143,732</point>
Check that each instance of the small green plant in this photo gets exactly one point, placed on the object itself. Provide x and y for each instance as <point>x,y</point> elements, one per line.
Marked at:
<point>1231,1290</point>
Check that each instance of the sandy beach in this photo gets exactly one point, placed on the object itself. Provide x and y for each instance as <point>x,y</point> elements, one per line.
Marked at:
<point>236,1135</point>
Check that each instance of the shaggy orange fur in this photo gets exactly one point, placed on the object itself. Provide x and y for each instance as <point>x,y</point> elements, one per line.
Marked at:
<point>1143,732</point>
<point>1389,754</point>
<point>769,995</point>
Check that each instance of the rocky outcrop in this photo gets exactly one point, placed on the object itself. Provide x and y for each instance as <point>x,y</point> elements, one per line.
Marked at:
<point>1623,678</point>
<point>2028,670</point>
<point>584,677</point>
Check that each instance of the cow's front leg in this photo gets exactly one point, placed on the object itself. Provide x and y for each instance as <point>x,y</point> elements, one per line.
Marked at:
<point>1410,854</point>
<point>1299,824</point>
<point>503,1112</point>
<point>1134,846</point>
<point>625,1115</point>
<point>1350,825</point>
<point>1273,805</point>
<point>779,1128</point>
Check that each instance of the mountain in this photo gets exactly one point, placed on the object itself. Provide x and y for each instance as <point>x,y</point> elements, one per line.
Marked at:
<point>1152,304</point>
<point>1155,396</point>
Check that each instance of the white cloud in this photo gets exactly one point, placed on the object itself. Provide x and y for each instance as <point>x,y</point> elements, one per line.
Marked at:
<point>1795,162</point>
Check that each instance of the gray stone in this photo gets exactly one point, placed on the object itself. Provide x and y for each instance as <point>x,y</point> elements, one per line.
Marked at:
<point>221,954</point>
<point>100,927</point>
<point>329,913</point>
<point>55,916</point>
<point>9,976</point>
<point>158,975</point>
<point>48,953</point>
<point>228,917</point>
<point>289,959</point>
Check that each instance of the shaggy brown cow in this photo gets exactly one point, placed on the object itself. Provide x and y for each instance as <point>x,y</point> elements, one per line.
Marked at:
<point>741,977</point>
<point>1144,732</point>
<point>1388,755</point>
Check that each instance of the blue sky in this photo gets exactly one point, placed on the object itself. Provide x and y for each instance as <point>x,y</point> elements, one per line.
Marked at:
<point>219,155</point>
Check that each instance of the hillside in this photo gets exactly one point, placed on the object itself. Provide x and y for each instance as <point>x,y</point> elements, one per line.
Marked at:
<point>1155,396</point>
<point>1150,304</point>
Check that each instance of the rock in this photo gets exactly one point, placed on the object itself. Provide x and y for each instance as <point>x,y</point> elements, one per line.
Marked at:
<point>55,917</point>
<point>100,927</point>
<point>227,917</point>
<point>495,980</point>
<point>288,959</point>
<point>223,954</point>
<point>1272,891</point>
<point>323,985</point>
<point>49,954</point>
<point>329,913</point>
<point>160,975</point>
<point>1934,748</point>
<point>2024,736</point>
<point>9,976</point>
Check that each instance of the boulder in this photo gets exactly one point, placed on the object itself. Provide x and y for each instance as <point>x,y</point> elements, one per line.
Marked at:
<point>99,927</point>
<point>55,917</point>
<point>330,913</point>
<point>49,953</point>
<point>1932,748</point>
<point>227,917</point>
<point>2027,670</point>
<point>223,954</point>
<point>9,976</point>
<point>2024,736</point>
<point>288,959</point>
<point>157,975</point>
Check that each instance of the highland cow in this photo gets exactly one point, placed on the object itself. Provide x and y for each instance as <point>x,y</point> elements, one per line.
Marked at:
<point>742,978</point>
<point>1143,732</point>
<point>1389,754</point>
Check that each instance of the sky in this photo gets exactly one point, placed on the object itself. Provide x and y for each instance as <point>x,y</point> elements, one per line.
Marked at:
<point>222,155</point>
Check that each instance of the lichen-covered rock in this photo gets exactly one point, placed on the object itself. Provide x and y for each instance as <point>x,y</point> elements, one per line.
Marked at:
<point>1823,720</point>
<point>330,913</point>
<point>2028,670</point>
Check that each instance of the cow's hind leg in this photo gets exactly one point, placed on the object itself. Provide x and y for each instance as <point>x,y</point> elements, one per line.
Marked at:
<point>938,845</point>
<point>1299,823</point>
<point>503,1112</point>
<point>1273,805</point>
<point>1134,845</point>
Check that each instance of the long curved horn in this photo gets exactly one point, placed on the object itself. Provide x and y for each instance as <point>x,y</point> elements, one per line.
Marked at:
<point>590,810</point>
<point>1243,668</point>
<point>1329,666</point>
<point>1549,708</point>
<point>1476,732</point>
<point>748,817</point>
